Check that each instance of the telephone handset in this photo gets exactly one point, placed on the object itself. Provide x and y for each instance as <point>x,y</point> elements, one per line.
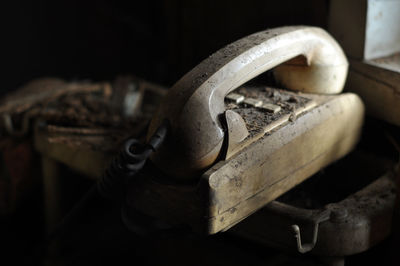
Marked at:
<point>313,63</point>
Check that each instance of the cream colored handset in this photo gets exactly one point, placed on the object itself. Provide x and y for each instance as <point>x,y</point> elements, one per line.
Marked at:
<point>305,59</point>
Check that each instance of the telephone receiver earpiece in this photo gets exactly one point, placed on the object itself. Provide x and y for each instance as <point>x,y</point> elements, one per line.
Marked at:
<point>305,59</point>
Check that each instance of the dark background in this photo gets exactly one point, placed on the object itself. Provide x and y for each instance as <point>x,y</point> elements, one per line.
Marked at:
<point>158,40</point>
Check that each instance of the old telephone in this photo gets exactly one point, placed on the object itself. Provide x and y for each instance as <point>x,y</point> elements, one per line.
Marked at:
<point>228,154</point>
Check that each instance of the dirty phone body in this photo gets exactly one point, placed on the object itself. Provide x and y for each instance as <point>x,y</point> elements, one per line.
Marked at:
<point>230,149</point>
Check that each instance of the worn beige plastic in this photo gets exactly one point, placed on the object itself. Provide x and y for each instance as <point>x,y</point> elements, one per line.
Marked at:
<point>195,103</point>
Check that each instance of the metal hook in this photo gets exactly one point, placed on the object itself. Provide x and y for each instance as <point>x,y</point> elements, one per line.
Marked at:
<point>303,248</point>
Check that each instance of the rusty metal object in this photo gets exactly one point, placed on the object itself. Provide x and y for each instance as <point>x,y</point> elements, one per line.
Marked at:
<point>316,220</point>
<point>195,103</point>
<point>350,226</point>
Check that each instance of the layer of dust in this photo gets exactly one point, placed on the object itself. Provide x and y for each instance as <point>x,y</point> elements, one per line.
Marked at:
<point>256,118</point>
<point>79,114</point>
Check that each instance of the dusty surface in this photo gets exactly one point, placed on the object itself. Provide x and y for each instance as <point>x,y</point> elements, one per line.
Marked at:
<point>256,118</point>
<point>80,114</point>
